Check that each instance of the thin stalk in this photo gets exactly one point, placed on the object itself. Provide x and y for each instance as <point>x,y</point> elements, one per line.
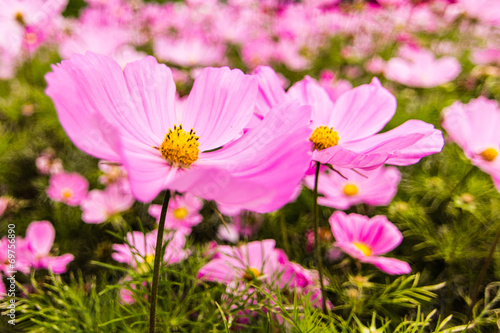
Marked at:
<point>284,233</point>
<point>483,274</point>
<point>317,249</point>
<point>156,269</point>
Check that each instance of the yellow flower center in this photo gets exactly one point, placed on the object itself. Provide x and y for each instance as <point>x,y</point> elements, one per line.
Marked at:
<point>367,251</point>
<point>66,193</point>
<point>324,137</point>
<point>150,258</point>
<point>489,154</point>
<point>19,18</point>
<point>180,148</point>
<point>251,274</point>
<point>180,213</point>
<point>350,190</point>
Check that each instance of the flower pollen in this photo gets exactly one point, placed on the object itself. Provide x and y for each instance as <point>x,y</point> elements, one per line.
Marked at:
<point>324,137</point>
<point>66,193</point>
<point>251,274</point>
<point>489,154</point>
<point>350,190</point>
<point>367,251</point>
<point>180,148</point>
<point>180,213</point>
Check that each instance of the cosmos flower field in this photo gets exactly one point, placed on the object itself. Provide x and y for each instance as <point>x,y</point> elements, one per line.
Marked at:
<point>249,166</point>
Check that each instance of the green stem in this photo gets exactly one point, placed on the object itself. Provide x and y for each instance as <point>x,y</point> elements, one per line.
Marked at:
<point>483,274</point>
<point>156,269</point>
<point>284,233</point>
<point>317,249</point>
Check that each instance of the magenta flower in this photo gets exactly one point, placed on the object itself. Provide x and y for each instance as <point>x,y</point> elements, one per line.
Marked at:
<point>70,188</point>
<point>129,117</point>
<point>419,68</point>
<point>39,239</point>
<point>374,187</point>
<point>99,205</point>
<point>183,212</point>
<point>255,260</point>
<point>140,249</point>
<point>19,262</point>
<point>345,132</point>
<point>474,127</point>
<point>366,239</point>
<point>485,10</point>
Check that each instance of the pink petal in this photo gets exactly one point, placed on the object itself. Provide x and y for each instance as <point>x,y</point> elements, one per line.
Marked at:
<point>340,157</point>
<point>406,144</point>
<point>217,271</point>
<point>58,264</point>
<point>309,92</point>
<point>273,156</point>
<point>219,106</point>
<point>40,237</point>
<point>389,265</point>
<point>362,111</point>
<point>152,89</point>
<point>271,91</point>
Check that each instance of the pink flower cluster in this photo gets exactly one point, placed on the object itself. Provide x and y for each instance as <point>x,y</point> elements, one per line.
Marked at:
<point>32,251</point>
<point>260,262</point>
<point>98,205</point>
<point>202,33</point>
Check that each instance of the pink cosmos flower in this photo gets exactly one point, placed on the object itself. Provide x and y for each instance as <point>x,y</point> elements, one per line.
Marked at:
<point>47,163</point>
<point>183,212</point>
<point>17,15</point>
<point>374,187</point>
<point>485,10</point>
<point>70,188</point>
<point>140,249</point>
<point>259,261</point>
<point>486,56</point>
<point>39,238</point>
<point>250,261</point>
<point>112,173</point>
<point>189,51</point>
<point>129,117</point>
<point>7,265</point>
<point>99,205</point>
<point>366,239</point>
<point>474,127</point>
<point>345,130</point>
<point>419,68</point>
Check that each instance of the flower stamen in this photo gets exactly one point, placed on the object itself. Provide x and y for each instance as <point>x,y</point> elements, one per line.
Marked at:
<point>365,249</point>
<point>251,274</point>
<point>489,154</point>
<point>350,190</point>
<point>180,148</point>
<point>324,137</point>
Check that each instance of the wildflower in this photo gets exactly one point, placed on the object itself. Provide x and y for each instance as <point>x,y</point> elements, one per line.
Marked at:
<point>140,249</point>
<point>129,117</point>
<point>474,127</point>
<point>345,132</point>
<point>419,68</point>
<point>366,239</point>
<point>39,239</point>
<point>183,212</point>
<point>374,187</point>
<point>69,188</point>
<point>99,205</point>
